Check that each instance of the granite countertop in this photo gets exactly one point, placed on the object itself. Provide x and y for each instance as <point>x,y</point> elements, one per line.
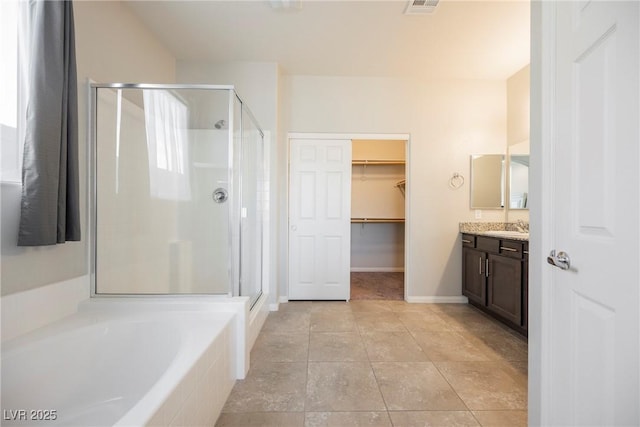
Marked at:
<point>505,230</point>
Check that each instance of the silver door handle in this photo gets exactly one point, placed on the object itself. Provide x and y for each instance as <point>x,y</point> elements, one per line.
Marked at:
<point>561,260</point>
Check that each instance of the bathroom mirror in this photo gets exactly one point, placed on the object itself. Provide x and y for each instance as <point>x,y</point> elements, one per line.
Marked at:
<point>487,181</point>
<point>518,181</point>
<point>519,176</point>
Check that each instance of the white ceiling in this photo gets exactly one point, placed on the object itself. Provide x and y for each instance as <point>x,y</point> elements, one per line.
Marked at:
<point>462,39</point>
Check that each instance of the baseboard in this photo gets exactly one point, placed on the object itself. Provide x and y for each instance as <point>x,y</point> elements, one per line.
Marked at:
<point>439,300</point>
<point>431,300</point>
<point>274,307</point>
<point>377,269</point>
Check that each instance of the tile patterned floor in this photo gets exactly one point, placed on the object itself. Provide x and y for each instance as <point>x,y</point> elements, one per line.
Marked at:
<point>381,363</point>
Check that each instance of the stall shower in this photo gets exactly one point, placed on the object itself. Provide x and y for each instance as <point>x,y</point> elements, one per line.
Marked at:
<point>178,191</point>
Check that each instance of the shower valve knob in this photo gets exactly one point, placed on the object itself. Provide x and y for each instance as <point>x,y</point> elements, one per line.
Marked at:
<point>220,195</point>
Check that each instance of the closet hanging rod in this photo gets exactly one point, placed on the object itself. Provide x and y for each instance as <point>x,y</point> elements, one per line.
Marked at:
<point>376,220</point>
<point>378,162</point>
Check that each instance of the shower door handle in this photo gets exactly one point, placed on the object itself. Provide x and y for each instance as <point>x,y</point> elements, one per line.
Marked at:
<point>220,195</point>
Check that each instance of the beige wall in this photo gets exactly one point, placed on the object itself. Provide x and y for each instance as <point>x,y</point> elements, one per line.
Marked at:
<point>518,101</point>
<point>518,107</point>
<point>112,45</point>
<point>447,120</point>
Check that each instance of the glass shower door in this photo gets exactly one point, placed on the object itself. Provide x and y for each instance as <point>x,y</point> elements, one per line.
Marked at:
<point>163,191</point>
<point>253,206</point>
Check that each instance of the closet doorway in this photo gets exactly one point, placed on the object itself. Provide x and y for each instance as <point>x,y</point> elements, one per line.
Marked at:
<point>373,265</point>
<point>378,183</point>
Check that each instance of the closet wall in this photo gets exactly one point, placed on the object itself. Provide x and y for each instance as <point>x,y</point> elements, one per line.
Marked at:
<point>377,205</point>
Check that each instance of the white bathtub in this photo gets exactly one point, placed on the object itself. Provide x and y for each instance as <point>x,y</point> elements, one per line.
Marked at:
<point>124,363</point>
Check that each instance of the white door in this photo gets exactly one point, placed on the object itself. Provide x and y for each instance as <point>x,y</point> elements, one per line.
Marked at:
<point>590,375</point>
<point>319,219</point>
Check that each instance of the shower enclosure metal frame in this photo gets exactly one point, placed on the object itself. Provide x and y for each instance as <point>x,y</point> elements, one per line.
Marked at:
<point>234,208</point>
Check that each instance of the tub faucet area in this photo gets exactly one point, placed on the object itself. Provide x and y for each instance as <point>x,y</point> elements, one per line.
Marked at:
<point>522,226</point>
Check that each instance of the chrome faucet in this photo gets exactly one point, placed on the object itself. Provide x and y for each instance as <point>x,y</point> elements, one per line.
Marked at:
<point>521,226</point>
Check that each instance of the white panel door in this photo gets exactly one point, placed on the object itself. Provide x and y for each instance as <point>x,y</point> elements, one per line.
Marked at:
<point>591,371</point>
<point>319,219</point>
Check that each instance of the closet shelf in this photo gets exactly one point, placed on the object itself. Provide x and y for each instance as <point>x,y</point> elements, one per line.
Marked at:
<point>378,162</point>
<point>376,220</point>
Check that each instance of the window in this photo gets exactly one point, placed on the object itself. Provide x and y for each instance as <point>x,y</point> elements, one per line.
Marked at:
<point>166,119</point>
<point>12,89</point>
<point>9,84</point>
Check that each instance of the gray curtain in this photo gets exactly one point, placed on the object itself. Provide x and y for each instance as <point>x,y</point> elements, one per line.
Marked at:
<point>50,203</point>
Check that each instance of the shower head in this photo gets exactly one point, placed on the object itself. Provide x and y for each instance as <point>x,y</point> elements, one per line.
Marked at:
<point>220,124</point>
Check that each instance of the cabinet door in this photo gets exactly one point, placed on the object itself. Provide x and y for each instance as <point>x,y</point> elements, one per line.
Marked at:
<point>525,290</point>
<point>504,287</point>
<point>473,279</point>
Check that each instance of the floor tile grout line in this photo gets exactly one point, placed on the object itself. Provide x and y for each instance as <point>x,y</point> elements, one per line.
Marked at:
<point>452,387</point>
<point>306,378</point>
<point>375,378</point>
<point>474,417</point>
<point>456,392</point>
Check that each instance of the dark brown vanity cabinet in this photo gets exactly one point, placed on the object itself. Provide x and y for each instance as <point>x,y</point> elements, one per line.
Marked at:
<point>494,277</point>
<point>474,284</point>
<point>525,286</point>
<point>504,287</point>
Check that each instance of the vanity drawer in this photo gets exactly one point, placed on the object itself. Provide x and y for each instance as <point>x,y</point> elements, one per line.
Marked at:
<point>489,244</point>
<point>511,248</point>
<point>468,241</point>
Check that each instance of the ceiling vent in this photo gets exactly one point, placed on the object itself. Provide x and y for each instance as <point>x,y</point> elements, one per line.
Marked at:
<point>421,7</point>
